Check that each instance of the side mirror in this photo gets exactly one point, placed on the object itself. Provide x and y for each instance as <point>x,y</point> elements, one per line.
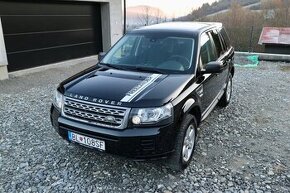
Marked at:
<point>101,55</point>
<point>213,67</point>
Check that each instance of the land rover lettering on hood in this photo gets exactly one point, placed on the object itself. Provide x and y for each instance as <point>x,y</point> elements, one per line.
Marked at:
<point>148,94</point>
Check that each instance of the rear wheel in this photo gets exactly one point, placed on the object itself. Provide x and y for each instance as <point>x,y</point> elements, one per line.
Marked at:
<point>185,144</point>
<point>226,98</point>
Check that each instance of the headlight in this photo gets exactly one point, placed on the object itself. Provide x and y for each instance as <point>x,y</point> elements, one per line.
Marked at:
<point>152,115</point>
<point>58,100</point>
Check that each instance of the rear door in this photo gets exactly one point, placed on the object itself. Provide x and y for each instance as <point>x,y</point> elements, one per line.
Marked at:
<point>228,49</point>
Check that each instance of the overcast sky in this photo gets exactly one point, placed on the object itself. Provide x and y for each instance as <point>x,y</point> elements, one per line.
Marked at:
<point>171,7</point>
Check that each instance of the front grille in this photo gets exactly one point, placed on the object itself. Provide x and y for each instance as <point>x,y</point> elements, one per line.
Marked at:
<point>106,116</point>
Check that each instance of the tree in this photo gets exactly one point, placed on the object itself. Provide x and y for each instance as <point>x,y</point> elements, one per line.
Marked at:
<point>240,23</point>
<point>145,16</point>
<point>149,15</point>
<point>158,16</point>
<point>276,12</point>
<point>243,25</point>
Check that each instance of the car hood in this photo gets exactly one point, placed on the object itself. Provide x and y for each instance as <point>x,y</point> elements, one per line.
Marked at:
<point>126,88</point>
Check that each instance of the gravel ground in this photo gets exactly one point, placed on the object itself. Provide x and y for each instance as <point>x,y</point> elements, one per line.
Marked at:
<point>243,148</point>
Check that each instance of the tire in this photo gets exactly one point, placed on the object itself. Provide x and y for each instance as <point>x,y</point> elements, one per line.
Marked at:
<point>178,161</point>
<point>226,98</point>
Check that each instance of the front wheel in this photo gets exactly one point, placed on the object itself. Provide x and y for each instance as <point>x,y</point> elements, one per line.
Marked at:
<point>185,144</point>
<point>226,98</point>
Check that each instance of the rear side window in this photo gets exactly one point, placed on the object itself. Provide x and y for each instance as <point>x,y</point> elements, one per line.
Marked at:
<point>226,38</point>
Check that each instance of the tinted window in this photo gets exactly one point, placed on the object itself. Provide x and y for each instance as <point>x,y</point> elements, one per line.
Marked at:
<point>217,42</point>
<point>168,53</point>
<point>226,38</point>
<point>207,51</point>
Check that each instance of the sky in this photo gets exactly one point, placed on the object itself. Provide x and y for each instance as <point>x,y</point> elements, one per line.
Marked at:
<point>172,8</point>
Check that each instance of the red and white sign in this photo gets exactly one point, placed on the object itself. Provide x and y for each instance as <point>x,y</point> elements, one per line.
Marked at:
<point>275,35</point>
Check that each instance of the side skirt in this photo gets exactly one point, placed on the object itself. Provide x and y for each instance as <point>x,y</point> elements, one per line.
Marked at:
<point>213,104</point>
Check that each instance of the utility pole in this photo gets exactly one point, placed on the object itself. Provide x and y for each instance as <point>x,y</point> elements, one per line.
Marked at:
<point>125,18</point>
<point>287,12</point>
<point>251,40</point>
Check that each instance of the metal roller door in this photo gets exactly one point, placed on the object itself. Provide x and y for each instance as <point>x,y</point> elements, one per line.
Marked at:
<point>45,32</point>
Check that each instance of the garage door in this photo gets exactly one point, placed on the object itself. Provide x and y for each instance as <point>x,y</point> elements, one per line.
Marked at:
<point>41,33</point>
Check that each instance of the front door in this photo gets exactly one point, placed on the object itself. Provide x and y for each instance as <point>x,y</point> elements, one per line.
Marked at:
<point>209,87</point>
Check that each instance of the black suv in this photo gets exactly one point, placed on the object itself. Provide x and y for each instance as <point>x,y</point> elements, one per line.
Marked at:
<point>147,96</point>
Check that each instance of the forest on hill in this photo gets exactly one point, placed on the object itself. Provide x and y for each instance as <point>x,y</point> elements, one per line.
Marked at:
<point>208,9</point>
<point>244,25</point>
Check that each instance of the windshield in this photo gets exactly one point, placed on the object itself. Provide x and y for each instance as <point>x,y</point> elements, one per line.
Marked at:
<point>166,54</point>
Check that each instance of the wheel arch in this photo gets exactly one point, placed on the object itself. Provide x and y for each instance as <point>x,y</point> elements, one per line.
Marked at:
<point>192,107</point>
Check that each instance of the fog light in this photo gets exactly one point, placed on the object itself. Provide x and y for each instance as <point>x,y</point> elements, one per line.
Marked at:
<point>136,120</point>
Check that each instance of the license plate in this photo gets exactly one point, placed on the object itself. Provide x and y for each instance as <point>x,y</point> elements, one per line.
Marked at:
<point>88,141</point>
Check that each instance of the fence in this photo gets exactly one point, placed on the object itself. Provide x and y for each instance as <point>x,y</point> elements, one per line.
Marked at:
<point>245,39</point>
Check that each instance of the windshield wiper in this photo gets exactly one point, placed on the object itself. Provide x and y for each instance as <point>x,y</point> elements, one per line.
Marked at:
<point>147,69</point>
<point>138,68</point>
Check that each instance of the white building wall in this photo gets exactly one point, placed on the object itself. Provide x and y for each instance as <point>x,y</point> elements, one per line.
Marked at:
<point>3,56</point>
<point>112,21</point>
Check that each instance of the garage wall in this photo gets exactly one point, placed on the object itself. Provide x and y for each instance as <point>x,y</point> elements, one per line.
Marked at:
<point>110,13</point>
<point>112,19</point>
<point>3,57</point>
<point>41,33</point>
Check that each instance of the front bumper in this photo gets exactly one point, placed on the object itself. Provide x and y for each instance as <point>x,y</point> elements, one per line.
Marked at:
<point>137,143</point>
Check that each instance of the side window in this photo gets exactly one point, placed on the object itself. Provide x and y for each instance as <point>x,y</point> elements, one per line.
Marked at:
<point>217,42</point>
<point>226,38</point>
<point>207,51</point>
